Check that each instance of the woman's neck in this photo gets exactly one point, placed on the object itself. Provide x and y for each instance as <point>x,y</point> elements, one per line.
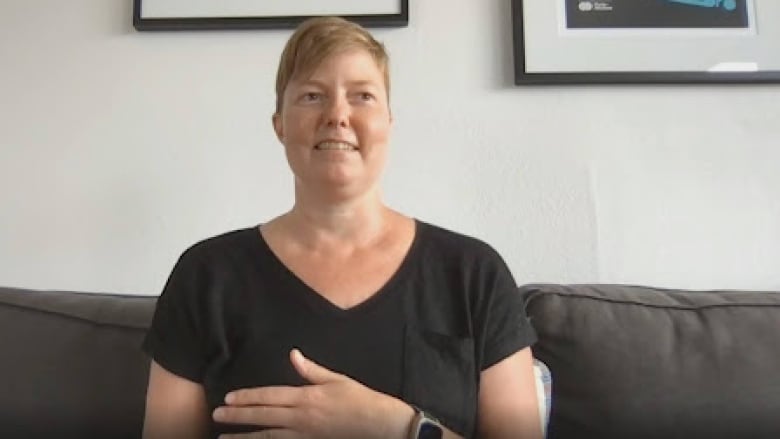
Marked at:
<point>354,222</point>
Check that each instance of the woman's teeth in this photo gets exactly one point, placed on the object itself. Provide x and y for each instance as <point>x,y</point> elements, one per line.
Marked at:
<point>335,146</point>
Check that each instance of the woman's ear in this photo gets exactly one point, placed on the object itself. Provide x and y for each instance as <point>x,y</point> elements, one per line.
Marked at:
<point>276,120</point>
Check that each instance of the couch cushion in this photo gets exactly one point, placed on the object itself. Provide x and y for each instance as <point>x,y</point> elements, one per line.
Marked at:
<point>72,364</point>
<point>651,363</point>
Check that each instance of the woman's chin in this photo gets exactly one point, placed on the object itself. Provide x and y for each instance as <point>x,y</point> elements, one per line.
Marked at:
<point>340,187</point>
<point>339,176</point>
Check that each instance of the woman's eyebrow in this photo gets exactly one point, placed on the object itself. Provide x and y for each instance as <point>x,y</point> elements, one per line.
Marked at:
<point>363,83</point>
<point>353,83</point>
<point>311,83</point>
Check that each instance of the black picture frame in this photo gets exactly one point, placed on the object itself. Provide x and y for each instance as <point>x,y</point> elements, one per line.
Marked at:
<point>523,77</point>
<point>141,23</point>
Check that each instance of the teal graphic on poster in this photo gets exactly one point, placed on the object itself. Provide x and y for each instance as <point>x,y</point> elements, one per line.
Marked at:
<point>663,14</point>
<point>729,5</point>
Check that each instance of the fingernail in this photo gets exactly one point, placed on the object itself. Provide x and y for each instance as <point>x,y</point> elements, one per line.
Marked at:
<point>219,413</point>
<point>230,397</point>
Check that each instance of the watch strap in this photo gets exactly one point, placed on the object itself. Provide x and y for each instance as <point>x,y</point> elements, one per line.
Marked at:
<point>424,426</point>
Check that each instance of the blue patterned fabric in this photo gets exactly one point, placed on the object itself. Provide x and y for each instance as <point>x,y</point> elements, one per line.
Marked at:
<point>544,392</point>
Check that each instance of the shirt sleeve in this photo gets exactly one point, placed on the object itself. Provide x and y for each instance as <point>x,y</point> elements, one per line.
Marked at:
<point>502,320</point>
<point>175,337</point>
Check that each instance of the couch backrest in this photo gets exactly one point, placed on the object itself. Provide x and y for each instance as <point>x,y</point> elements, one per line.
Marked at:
<point>626,362</point>
<point>637,362</point>
<point>71,364</point>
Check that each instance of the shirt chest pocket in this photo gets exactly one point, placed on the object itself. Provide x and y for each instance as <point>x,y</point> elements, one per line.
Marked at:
<point>439,377</point>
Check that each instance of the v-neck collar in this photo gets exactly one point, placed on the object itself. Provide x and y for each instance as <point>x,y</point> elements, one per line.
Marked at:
<point>316,301</point>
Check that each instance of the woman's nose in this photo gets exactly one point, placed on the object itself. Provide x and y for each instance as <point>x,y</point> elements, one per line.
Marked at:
<point>337,113</point>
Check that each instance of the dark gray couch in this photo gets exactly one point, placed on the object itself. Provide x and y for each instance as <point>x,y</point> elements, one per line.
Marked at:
<point>638,362</point>
<point>627,362</point>
<point>72,365</point>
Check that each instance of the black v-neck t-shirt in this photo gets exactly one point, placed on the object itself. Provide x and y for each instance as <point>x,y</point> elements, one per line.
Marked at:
<point>231,311</point>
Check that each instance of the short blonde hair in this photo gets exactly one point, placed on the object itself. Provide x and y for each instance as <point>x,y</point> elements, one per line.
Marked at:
<point>318,38</point>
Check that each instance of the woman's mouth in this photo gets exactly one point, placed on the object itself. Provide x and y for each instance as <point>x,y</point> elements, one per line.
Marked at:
<point>331,145</point>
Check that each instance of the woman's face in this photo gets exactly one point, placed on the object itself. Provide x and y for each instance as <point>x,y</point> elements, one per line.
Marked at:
<point>335,124</point>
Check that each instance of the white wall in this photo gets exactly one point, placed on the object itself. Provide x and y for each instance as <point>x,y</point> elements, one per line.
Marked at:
<point>118,149</point>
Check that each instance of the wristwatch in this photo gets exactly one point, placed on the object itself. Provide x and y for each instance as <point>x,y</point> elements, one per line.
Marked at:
<point>424,426</point>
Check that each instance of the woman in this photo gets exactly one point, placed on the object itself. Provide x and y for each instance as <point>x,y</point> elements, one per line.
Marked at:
<point>341,318</point>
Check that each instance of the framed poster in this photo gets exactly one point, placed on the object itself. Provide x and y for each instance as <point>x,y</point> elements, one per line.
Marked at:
<point>262,14</point>
<point>647,41</point>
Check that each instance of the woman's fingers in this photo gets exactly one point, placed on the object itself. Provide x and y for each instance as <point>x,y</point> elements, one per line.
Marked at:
<point>263,416</point>
<point>283,396</point>
<point>275,433</point>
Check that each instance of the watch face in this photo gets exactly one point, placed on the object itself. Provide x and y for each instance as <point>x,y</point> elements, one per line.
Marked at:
<point>429,430</point>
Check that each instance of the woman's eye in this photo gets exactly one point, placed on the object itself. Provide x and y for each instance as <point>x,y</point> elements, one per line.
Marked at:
<point>365,96</point>
<point>311,97</point>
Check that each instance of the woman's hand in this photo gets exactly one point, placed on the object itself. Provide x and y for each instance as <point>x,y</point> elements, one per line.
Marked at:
<point>333,406</point>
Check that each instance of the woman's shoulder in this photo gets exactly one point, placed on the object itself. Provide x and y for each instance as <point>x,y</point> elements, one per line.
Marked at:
<point>223,245</point>
<point>450,242</point>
